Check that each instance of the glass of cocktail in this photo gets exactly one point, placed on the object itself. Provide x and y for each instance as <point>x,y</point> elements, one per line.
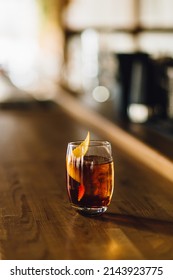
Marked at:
<point>90,175</point>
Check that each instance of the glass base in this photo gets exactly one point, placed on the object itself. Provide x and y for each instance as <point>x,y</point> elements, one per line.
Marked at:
<point>90,211</point>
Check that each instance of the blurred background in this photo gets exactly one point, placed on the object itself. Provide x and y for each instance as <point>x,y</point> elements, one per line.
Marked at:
<point>31,48</point>
<point>115,56</point>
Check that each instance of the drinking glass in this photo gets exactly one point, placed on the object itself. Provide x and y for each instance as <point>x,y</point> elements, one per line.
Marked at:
<point>90,178</point>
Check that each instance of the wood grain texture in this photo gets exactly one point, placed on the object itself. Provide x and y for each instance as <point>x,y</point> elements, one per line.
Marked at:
<point>36,219</point>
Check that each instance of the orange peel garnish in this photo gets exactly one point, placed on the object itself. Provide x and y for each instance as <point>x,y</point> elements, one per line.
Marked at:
<point>77,153</point>
<point>81,150</point>
<point>81,191</point>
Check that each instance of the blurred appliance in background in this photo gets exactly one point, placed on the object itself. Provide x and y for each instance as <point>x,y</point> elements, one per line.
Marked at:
<point>123,77</point>
<point>166,83</point>
<point>142,89</point>
<point>163,124</point>
<point>142,95</point>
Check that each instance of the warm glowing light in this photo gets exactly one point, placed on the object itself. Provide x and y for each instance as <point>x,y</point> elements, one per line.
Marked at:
<point>19,42</point>
<point>138,113</point>
<point>27,59</point>
<point>90,48</point>
<point>101,94</point>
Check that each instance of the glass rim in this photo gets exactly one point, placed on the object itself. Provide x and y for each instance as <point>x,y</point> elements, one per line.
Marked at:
<point>92,143</point>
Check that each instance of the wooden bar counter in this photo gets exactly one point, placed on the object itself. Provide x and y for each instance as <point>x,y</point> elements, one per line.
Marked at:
<point>36,219</point>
